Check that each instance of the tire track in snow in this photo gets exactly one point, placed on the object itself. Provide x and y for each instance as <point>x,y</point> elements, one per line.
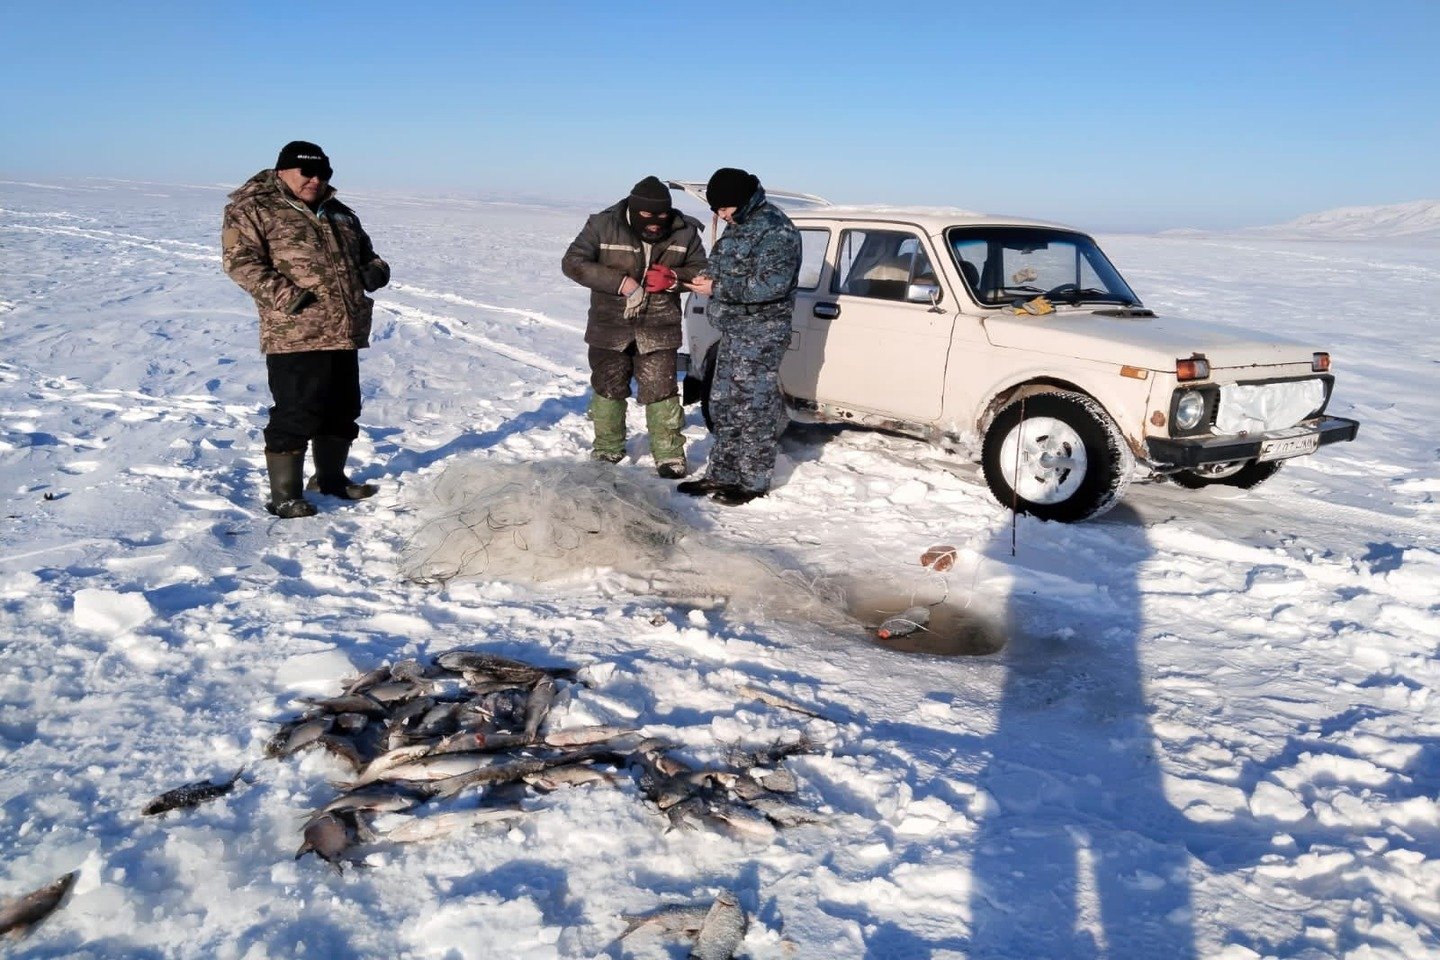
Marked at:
<point>531,315</point>
<point>456,328</point>
<point>106,236</point>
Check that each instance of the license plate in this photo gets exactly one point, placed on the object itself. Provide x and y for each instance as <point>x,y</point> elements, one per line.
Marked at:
<point>1278,448</point>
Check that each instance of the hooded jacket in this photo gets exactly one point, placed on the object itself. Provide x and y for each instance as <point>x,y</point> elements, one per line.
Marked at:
<point>755,263</point>
<point>277,250</point>
<point>608,250</point>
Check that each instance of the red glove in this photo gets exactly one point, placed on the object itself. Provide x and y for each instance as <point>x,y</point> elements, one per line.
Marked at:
<point>659,278</point>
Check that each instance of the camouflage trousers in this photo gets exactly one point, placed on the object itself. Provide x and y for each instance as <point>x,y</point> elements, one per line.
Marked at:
<point>745,403</point>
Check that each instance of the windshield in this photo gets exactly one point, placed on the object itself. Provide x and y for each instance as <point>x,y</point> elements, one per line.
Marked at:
<point>1003,265</point>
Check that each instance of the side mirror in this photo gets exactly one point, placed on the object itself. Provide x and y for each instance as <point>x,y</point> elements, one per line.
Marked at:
<point>923,293</point>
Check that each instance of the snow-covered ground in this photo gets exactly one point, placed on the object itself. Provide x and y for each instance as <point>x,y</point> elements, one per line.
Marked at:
<point>1211,731</point>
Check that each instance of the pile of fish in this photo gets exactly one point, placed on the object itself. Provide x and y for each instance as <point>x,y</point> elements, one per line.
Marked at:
<point>459,741</point>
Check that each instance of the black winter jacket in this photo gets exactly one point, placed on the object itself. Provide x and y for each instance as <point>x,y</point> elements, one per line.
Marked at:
<point>606,252</point>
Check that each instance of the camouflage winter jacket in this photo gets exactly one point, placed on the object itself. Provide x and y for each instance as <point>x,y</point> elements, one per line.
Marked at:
<point>277,250</point>
<point>755,265</point>
<point>606,252</point>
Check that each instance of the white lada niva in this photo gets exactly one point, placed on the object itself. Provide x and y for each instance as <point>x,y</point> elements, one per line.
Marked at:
<point>1019,340</point>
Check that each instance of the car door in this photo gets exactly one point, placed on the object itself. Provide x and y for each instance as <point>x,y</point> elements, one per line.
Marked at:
<point>869,337</point>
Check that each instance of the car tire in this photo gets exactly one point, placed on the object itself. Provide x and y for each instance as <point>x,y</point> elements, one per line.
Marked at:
<point>1246,475</point>
<point>1056,456</point>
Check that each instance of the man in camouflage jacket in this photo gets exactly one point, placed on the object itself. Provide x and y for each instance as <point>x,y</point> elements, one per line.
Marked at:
<point>307,261</point>
<point>751,284</point>
<point>636,256</point>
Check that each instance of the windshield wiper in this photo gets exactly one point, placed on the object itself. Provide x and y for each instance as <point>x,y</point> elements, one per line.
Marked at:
<point>1089,295</point>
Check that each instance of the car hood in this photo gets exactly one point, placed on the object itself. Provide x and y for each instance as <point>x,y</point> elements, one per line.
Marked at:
<point>1153,342</point>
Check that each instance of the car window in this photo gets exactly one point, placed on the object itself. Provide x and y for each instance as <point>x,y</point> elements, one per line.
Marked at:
<point>812,257</point>
<point>1005,265</point>
<point>880,264</point>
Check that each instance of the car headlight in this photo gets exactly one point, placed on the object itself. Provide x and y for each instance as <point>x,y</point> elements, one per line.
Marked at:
<point>1189,410</point>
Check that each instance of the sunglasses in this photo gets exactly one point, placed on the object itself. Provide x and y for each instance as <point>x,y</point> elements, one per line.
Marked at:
<point>311,171</point>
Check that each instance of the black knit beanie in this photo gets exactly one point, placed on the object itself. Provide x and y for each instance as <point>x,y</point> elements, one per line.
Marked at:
<point>730,187</point>
<point>649,195</point>
<point>305,155</point>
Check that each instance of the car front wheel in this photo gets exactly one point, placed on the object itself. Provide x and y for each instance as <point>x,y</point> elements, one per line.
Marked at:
<point>1056,456</point>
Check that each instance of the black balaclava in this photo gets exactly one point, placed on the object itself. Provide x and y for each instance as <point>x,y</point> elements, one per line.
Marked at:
<point>650,196</point>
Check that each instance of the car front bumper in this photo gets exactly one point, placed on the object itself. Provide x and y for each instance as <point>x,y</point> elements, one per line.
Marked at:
<point>1186,452</point>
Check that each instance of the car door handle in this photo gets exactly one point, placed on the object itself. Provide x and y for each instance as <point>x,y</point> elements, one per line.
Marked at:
<point>826,311</point>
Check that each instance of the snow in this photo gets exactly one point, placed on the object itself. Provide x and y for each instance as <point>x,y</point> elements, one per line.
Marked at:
<point>1210,731</point>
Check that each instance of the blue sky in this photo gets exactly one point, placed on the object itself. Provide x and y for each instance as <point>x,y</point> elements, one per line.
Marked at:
<point>1108,114</point>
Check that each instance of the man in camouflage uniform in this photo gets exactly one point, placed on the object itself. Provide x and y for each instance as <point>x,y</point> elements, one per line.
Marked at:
<point>635,256</point>
<point>303,256</point>
<point>751,285</point>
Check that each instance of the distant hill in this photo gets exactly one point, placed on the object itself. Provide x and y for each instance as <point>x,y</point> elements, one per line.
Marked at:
<point>1416,220</point>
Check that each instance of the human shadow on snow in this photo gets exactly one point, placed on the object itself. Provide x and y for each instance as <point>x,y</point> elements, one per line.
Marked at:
<point>548,414</point>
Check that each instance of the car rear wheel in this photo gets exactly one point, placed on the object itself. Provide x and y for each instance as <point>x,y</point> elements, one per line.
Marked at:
<point>1234,473</point>
<point>1056,456</point>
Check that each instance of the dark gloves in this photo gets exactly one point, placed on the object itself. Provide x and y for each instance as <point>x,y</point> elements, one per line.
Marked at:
<point>301,302</point>
<point>659,278</point>
<point>375,275</point>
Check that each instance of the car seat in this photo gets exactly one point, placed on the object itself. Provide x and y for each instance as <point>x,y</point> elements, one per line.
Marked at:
<point>886,279</point>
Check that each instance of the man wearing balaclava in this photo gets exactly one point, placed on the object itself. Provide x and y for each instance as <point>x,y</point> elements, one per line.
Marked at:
<point>636,256</point>
<point>751,286</point>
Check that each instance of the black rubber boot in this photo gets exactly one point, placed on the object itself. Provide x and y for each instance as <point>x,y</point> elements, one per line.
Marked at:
<point>330,454</point>
<point>286,500</point>
<point>698,488</point>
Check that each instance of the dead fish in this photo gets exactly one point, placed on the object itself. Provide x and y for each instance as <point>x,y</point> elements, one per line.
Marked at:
<point>690,813</point>
<point>416,829</point>
<point>775,700</point>
<point>190,795</point>
<point>414,671</point>
<point>367,680</point>
<point>376,768</point>
<point>350,722</point>
<point>478,741</point>
<point>679,919</point>
<point>537,706</point>
<point>583,736</point>
<point>783,813</point>
<point>490,666</point>
<point>395,692</point>
<point>517,769</point>
<point>342,747</point>
<point>742,822</point>
<point>722,931</point>
<point>442,767</point>
<point>21,915</point>
<point>378,798</point>
<point>328,836</point>
<point>348,703</point>
<point>296,735</point>
<point>778,780</point>
<point>570,775</point>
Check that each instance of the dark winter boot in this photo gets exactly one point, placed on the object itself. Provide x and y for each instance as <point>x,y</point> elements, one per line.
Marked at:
<point>663,419</point>
<point>609,419</point>
<point>704,486</point>
<point>330,479</point>
<point>286,500</point>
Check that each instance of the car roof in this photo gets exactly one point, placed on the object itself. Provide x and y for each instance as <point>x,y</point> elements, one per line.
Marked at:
<point>803,208</point>
<point>931,219</point>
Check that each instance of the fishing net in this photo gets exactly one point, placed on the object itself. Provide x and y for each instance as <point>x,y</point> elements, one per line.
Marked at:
<point>552,521</point>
